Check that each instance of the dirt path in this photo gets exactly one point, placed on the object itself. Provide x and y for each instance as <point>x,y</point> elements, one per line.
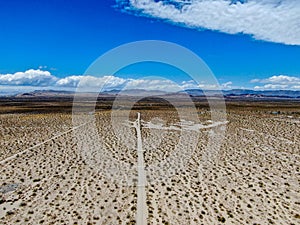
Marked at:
<point>142,211</point>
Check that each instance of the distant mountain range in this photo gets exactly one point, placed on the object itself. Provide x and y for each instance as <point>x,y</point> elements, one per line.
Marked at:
<point>246,93</point>
<point>228,94</point>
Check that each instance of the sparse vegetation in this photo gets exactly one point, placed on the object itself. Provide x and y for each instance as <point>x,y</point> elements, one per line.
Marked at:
<point>252,176</point>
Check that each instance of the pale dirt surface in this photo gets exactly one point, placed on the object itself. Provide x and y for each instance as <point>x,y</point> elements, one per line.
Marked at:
<point>21,131</point>
<point>56,186</point>
<point>142,211</point>
<point>254,179</point>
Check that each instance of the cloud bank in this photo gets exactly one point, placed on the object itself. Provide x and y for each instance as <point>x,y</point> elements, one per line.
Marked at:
<point>278,82</point>
<point>268,20</point>
<point>39,78</point>
<point>28,78</point>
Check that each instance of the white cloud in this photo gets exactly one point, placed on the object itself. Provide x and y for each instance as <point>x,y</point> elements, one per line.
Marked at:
<point>272,86</point>
<point>189,85</point>
<point>71,81</point>
<point>28,78</point>
<point>283,79</point>
<point>192,85</point>
<point>278,82</point>
<point>207,86</point>
<point>268,20</point>
<point>38,79</point>
<point>227,85</point>
<point>280,79</point>
<point>109,82</point>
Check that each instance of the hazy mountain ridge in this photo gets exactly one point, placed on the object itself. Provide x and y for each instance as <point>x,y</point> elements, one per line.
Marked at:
<point>234,93</point>
<point>247,93</point>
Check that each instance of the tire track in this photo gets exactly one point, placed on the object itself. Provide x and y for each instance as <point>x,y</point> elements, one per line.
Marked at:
<point>142,211</point>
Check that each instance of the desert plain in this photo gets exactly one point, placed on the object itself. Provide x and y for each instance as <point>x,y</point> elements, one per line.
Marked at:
<point>55,173</point>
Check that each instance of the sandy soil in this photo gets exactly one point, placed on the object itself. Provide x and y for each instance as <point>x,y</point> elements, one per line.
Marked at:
<point>253,179</point>
<point>21,131</point>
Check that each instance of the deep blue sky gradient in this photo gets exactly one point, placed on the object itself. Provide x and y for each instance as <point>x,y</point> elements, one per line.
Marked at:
<point>68,35</point>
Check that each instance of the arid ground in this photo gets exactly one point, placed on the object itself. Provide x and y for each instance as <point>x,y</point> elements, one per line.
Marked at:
<point>55,173</point>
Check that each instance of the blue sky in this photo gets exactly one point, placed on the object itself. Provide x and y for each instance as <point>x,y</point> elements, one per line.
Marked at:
<point>63,37</point>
